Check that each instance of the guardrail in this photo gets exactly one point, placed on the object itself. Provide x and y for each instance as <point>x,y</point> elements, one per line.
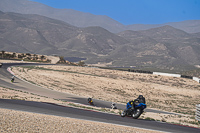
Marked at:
<point>196,79</point>
<point>197,112</point>
<point>166,74</point>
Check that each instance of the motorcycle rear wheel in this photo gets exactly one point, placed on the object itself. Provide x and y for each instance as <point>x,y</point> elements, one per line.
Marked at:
<point>123,114</point>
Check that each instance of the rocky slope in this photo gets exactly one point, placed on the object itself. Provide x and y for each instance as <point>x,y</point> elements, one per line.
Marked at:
<point>164,47</point>
<point>82,19</point>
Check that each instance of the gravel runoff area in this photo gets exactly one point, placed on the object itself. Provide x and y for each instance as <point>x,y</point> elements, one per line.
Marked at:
<point>20,122</point>
<point>161,92</point>
<point>14,95</point>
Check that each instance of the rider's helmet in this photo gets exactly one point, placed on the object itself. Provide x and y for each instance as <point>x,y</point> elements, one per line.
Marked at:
<point>141,99</point>
<point>89,99</point>
<point>140,96</point>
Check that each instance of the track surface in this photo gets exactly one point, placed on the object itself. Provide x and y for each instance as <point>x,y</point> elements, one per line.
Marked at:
<point>24,86</point>
<point>52,109</point>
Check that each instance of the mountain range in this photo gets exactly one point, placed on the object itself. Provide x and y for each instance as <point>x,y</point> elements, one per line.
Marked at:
<point>81,19</point>
<point>163,47</point>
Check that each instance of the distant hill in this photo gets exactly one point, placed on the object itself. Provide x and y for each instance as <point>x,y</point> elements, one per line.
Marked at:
<point>32,33</point>
<point>190,26</point>
<point>163,47</point>
<point>38,34</point>
<point>81,19</point>
<point>76,18</point>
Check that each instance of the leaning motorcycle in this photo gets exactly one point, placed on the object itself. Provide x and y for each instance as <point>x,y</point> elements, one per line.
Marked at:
<point>12,80</point>
<point>90,101</point>
<point>136,112</point>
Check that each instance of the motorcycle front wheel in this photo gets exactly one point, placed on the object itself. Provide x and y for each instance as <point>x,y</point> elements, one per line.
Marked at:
<point>136,113</point>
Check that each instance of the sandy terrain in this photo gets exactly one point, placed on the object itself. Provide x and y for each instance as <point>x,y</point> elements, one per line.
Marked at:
<point>19,95</point>
<point>163,93</point>
<point>166,93</point>
<point>18,121</point>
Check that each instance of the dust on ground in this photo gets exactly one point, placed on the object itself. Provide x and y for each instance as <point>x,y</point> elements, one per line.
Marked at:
<point>117,86</point>
<point>164,93</point>
<point>19,121</point>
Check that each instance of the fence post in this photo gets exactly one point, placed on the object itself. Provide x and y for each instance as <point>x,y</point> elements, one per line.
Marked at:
<point>198,112</point>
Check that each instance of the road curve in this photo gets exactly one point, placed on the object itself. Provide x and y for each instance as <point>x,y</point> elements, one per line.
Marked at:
<point>64,111</point>
<point>53,109</point>
<point>25,86</point>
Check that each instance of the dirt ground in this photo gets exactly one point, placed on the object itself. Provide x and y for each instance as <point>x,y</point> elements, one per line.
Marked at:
<point>19,121</point>
<point>163,93</point>
<point>177,95</point>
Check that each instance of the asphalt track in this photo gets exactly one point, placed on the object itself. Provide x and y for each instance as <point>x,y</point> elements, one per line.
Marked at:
<point>64,111</point>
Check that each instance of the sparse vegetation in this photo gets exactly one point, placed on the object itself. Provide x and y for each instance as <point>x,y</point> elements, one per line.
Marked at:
<point>123,87</point>
<point>193,73</point>
<point>151,119</point>
<point>179,101</point>
<point>81,63</point>
<point>22,95</point>
<point>24,56</point>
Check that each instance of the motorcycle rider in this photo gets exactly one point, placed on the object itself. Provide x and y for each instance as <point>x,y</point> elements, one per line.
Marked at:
<point>131,104</point>
<point>113,106</point>
<point>90,101</point>
<point>13,78</point>
<point>141,99</point>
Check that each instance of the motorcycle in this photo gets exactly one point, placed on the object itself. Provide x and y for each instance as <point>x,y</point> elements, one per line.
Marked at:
<point>90,101</point>
<point>136,112</point>
<point>12,80</point>
<point>113,106</point>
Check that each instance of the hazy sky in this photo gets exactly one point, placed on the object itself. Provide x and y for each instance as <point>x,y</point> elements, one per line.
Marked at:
<point>134,11</point>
